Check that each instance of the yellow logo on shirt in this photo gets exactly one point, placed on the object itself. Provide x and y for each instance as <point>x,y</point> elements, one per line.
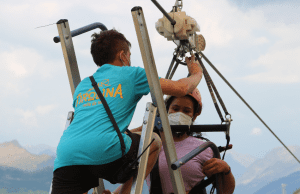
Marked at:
<point>91,96</point>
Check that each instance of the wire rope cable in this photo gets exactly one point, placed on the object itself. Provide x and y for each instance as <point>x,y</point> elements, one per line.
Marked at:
<point>230,86</point>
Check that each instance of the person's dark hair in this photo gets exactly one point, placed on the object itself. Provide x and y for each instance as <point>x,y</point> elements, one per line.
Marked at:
<point>106,45</point>
<point>195,106</point>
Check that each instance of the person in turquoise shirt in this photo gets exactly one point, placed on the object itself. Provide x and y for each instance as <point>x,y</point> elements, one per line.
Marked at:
<point>89,148</point>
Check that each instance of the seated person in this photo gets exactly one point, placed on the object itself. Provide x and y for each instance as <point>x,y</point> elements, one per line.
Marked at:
<point>90,148</point>
<point>183,111</point>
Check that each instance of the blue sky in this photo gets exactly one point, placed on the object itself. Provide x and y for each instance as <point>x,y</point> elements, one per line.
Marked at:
<point>255,44</point>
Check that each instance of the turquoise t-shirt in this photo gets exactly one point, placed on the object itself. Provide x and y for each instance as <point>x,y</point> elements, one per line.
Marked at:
<point>91,138</point>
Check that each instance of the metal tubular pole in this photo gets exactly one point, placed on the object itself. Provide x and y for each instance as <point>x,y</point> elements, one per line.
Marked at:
<point>157,96</point>
<point>147,130</point>
<point>100,188</point>
<point>72,67</point>
<point>200,128</point>
<point>83,29</point>
<point>69,54</point>
<point>194,153</point>
<point>173,22</point>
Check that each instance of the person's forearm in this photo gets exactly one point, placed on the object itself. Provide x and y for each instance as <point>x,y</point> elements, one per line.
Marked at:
<point>138,129</point>
<point>191,82</point>
<point>227,183</point>
<point>183,86</point>
<point>117,190</point>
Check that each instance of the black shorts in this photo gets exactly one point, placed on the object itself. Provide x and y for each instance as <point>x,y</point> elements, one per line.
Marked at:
<point>81,178</point>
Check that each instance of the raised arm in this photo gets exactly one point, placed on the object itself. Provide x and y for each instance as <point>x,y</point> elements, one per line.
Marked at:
<point>185,85</point>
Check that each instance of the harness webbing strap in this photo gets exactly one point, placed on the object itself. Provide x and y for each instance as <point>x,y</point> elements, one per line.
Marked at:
<point>209,83</point>
<point>215,90</point>
<point>100,95</point>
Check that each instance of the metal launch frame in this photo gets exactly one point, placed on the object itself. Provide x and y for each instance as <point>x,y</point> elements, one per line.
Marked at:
<point>155,115</point>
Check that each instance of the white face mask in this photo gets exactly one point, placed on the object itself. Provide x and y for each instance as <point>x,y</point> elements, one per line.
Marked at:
<point>179,118</point>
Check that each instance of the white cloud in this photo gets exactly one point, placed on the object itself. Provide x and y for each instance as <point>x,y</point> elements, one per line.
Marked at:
<point>45,9</point>
<point>31,117</point>
<point>223,24</point>
<point>256,131</point>
<point>28,117</point>
<point>18,64</point>
<point>226,28</point>
<point>260,40</point>
<point>118,7</point>
<point>280,67</point>
<point>45,109</point>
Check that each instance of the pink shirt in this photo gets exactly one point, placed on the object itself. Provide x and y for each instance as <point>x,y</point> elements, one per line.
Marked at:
<point>191,171</point>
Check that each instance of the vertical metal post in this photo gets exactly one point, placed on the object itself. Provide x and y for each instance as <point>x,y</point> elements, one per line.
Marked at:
<point>147,130</point>
<point>100,188</point>
<point>157,96</point>
<point>69,53</point>
<point>72,70</point>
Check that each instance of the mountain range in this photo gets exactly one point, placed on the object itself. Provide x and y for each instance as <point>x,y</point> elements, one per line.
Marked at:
<point>252,175</point>
<point>276,164</point>
<point>12,154</point>
<point>291,181</point>
<point>16,180</point>
<point>41,149</point>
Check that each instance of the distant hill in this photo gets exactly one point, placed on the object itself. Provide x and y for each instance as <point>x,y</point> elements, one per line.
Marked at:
<point>237,167</point>
<point>251,174</point>
<point>15,180</point>
<point>243,159</point>
<point>41,149</point>
<point>292,182</point>
<point>276,164</point>
<point>13,155</point>
<point>22,191</point>
<point>23,172</point>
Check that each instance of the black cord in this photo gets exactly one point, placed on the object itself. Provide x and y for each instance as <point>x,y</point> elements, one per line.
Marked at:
<point>44,26</point>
